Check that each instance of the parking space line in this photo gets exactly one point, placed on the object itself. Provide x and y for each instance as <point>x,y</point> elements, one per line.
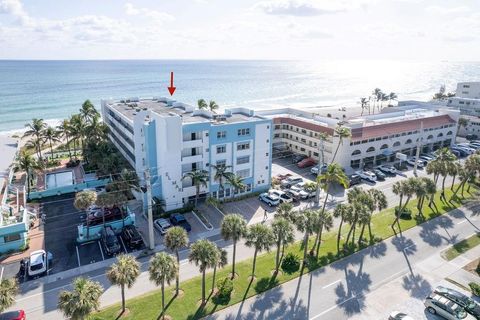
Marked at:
<point>101,250</point>
<point>78,256</point>
<point>123,244</point>
<point>1,274</point>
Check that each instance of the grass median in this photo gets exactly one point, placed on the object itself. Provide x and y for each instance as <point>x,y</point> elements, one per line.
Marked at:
<point>187,305</point>
<point>461,247</point>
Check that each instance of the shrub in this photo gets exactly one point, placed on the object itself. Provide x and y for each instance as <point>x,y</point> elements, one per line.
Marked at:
<point>291,263</point>
<point>406,213</point>
<point>225,288</point>
<point>475,288</point>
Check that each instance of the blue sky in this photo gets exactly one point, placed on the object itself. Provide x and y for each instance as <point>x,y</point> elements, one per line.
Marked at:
<point>247,29</point>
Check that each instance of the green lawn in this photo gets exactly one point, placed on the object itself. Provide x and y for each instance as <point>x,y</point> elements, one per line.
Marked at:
<point>186,306</point>
<point>461,247</point>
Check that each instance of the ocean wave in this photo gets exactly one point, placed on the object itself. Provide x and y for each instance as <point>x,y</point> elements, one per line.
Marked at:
<point>20,131</point>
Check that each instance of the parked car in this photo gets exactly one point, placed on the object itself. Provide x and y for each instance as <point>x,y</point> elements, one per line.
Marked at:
<point>37,263</point>
<point>296,158</point>
<point>307,162</point>
<point>299,191</point>
<point>109,240</point>
<point>13,315</point>
<point>380,175</point>
<point>367,175</point>
<point>461,152</point>
<point>290,181</point>
<point>459,298</point>
<point>353,180</point>
<point>425,159</point>
<point>162,225</point>
<point>284,197</point>
<point>456,153</point>
<point>180,220</point>
<point>323,169</point>
<point>471,137</point>
<point>397,315</point>
<point>388,170</point>
<point>270,200</point>
<point>132,237</point>
<point>412,161</point>
<point>437,304</point>
<point>282,177</point>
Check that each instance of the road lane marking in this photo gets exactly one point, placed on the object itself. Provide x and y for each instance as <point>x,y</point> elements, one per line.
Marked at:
<point>101,250</point>
<point>1,274</point>
<point>331,284</point>
<point>124,248</point>
<point>78,257</point>
<point>332,307</point>
<point>460,222</point>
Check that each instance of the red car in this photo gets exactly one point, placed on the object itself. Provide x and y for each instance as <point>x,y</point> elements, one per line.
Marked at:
<point>13,315</point>
<point>307,162</point>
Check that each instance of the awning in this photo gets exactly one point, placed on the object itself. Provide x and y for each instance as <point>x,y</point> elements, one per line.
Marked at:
<point>387,152</point>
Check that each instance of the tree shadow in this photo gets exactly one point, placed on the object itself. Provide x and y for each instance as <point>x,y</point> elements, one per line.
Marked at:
<point>418,287</point>
<point>430,235</point>
<point>407,247</point>
<point>265,284</point>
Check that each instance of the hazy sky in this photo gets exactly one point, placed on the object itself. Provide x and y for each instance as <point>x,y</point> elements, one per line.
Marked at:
<point>247,29</point>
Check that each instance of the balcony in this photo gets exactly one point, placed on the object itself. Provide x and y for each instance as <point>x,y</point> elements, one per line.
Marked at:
<point>192,143</point>
<point>192,158</point>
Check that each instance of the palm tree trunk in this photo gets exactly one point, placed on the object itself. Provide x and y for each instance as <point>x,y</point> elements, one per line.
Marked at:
<point>453,182</point>
<point>177,280</point>
<point>338,235</point>
<point>122,287</point>
<point>370,230</point>
<point>203,287</point>
<point>305,247</point>
<point>277,257</point>
<point>336,150</point>
<point>443,186</point>
<point>323,210</point>
<point>233,258</point>
<point>254,263</point>
<point>27,178</point>
<point>197,192</point>
<point>361,235</point>
<point>68,147</point>
<point>213,277</point>
<point>51,149</point>
<point>319,242</point>
<point>163,299</point>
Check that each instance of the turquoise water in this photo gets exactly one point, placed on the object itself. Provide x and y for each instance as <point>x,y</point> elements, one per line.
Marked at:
<point>53,90</point>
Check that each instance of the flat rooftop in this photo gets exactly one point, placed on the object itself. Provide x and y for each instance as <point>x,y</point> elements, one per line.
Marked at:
<point>188,113</point>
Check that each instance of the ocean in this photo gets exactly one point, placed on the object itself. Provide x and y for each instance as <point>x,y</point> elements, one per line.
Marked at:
<point>53,90</point>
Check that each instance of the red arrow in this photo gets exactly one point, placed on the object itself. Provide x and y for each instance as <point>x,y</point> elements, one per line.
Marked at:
<point>171,89</point>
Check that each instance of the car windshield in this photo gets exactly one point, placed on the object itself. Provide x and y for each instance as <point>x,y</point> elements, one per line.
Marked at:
<point>460,314</point>
<point>37,266</point>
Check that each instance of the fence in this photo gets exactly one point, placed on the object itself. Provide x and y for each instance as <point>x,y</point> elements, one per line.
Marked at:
<point>68,189</point>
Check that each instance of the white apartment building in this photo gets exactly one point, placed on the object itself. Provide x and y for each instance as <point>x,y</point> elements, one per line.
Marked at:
<point>467,98</point>
<point>171,138</point>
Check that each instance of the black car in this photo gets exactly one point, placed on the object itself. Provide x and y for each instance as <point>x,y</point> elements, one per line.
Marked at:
<point>298,157</point>
<point>459,298</point>
<point>354,179</point>
<point>380,175</point>
<point>179,220</point>
<point>132,237</point>
<point>109,240</point>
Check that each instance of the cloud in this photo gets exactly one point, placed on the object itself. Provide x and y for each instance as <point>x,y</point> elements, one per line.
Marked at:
<point>446,11</point>
<point>15,9</point>
<point>293,8</point>
<point>131,10</point>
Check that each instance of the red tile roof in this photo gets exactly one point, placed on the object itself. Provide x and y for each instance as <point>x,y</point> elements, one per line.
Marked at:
<point>374,131</point>
<point>303,124</point>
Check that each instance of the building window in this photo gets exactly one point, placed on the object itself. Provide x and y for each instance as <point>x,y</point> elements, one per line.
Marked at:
<point>249,187</point>
<point>221,149</point>
<point>221,162</point>
<point>243,146</point>
<point>243,173</point>
<point>385,146</point>
<point>440,135</point>
<point>12,237</point>
<point>244,132</point>
<point>227,192</point>
<point>356,152</point>
<point>221,134</point>
<point>266,154</point>
<point>243,160</point>
<point>408,141</point>
<point>396,144</point>
<point>371,149</point>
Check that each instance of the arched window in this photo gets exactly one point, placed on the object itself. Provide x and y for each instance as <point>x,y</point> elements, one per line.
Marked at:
<point>449,133</point>
<point>371,149</point>
<point>408,141</point>
<point>396,144</point>
<point>430,137</point>
<point>356,152</point>
<point>385,146</point>
<point>440,135</point>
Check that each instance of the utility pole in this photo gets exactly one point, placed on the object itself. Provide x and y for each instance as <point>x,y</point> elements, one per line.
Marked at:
<point>151,239</point>
<point>321,148</point>
<point>419,146</point>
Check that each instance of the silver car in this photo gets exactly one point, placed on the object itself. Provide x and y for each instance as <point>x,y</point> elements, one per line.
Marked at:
<point>437,304</point>
<point>162,225</point>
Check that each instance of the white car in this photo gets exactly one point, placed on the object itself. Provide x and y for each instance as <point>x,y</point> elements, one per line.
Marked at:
<point>290,181</point>
<point>162,225</point>
<point>281,195</point>
<point>367,175</point>
<point>412,161</point>
<point>314,170</point>
<point>37,264</point>
<point>298,190</point>
<point>269,199</point>
<point>387,169</point>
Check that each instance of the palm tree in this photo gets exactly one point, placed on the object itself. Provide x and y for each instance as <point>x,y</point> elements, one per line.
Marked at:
<point>221,261</point>
<point>342,211</point>
<point>28,164</point>
<point>163,268</point>
<point>470,169</point>
<point>359,202</point>
<point>378,202</point>
<point>377,94</point>
<point>104,200</point>
<point>285,210</point>
<point>175,239</point>
<point>8,291</point>
<point>202,104</point>
<point>306,221</point>
<point>342,133</point>
<point>77,130</point>
<point>82,300</point>
<point>310,187</point>
<point>234,227</point>
<point>236,182</point>
<point>454,172</point>
<point>88,112</point>
<point>363,104</point>
<point>213,106</point>
<point>203,253</point>
<point>64,131</point>
<point>124,273</point>
<point>402,189</point>
<point>283,234</point>
<point>445,159</point>
<point>199,179</point>
<point>35,130</point>
<point>383,97</point>
<point>35,145</point>
<point>392,96</point>
<point>221,173</point>
<point>325,222</point>
<point>83,201</point>
<point>51,135</point>
<point>260,237</point>
<point>96,129</point>
<point>462,122</point>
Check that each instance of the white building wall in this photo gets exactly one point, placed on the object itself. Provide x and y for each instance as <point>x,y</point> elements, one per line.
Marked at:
<point>469,90</point>
<point>262,155</point>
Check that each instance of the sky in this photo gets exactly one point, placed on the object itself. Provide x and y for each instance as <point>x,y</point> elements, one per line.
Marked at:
<point>246,29</point>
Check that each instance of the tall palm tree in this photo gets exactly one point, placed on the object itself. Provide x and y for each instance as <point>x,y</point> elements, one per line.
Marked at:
<point>175,239</point>
<point>285,210</point>
<point>392,96</point>
<point>283,234</point>
<point>84,200</point>
<point>403,189</point>
<point>35,145</point>
<point>221,174</point>
<point>202,104</point>
<point>162,269</point>
<point>221,261</point>
<point>199,179</point>
<point>342,211</point>
<point>213,106</point>
<point>104,200</point>
<point>236,182</point>
<point>234,227</point>
<point>88,112</point>
<point>377,94</point>
<point>378,202</point>
<point>64,131</point>
<point>462,122</point>
<point>77,130</point>
<point>8,291</point>
<point>363,104</point>
<point>445,160</point>
<point>384,97</point>
<point>260,237</point>
<point>325,222</point>
<point>203,253</point>
<point>310,187</point>
<point>82,300</point>
<point>342,133</point>
<point>306,221</point>
<point>470,169</point>
<point>28,164</point>
<point>360,203</point>
<point>35,129</point>
<point>97,130</point>
<point>51,135</point>
<point>454,172</point>
<point>124,273</point>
